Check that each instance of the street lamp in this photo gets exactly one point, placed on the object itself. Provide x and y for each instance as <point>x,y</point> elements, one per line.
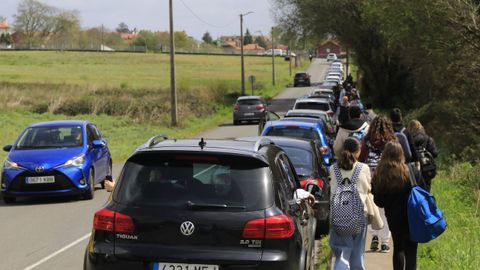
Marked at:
<point>241,50</point>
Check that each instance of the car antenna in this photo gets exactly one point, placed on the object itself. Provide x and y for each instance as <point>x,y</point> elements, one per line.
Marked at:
<point>202,143</point>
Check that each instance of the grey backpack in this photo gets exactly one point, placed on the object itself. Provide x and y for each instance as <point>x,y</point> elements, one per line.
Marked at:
<point>346,207</point>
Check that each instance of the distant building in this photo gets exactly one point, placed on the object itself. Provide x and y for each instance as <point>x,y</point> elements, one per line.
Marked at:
<point>329,46</point>
<point>128,36</point>
<point>4,28</point>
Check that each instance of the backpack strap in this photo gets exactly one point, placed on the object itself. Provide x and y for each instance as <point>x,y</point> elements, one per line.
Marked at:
<point>402,130</point>
<point>411,168</point>
<point>356,173</point>
<point>338,174</point>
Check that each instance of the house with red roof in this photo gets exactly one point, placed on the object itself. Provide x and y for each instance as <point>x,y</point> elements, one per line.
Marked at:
<point>4,28</point>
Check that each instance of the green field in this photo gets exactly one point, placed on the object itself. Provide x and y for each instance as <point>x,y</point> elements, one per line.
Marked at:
<point>126,94</point>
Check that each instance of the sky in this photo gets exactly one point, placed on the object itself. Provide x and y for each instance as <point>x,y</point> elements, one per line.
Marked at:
<point>219,17</point>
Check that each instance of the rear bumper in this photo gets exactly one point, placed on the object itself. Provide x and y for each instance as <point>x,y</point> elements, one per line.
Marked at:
<point>242,117</point>
<point>105,262</point>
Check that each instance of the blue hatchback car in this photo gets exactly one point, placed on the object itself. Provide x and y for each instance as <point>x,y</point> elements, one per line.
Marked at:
<point>311,130</point>
<point>55,158</point>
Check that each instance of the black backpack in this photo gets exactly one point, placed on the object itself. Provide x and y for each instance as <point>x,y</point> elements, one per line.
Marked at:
<point>427,162</point>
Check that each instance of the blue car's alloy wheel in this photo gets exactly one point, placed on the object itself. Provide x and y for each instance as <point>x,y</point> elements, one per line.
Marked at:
<point>91,184</point>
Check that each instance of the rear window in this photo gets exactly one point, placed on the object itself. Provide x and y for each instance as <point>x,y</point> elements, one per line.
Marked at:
<point>293,132</point>
<point>249,102</point>
<point>177,180</point>
<point>300,75</point>
<point>312,106</point>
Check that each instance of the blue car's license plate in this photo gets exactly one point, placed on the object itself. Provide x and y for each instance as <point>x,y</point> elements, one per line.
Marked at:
<point>182,266</point>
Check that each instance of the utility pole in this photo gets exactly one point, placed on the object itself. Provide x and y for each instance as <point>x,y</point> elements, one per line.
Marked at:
<point>273,59</point>
<point>241,51</point>
<point>347,64</point>
<point>173,83</point>
<point>290,57</point>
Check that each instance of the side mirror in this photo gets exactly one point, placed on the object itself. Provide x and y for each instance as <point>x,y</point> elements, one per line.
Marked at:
<point>98,144</point>
<point>313,188</point>
<point>7,148</point>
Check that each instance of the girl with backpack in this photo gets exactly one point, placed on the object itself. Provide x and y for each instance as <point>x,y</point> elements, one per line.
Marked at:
<point>391,188</point>
<point>350,185</point>
<point>379,134</point>
<point>426,149</point>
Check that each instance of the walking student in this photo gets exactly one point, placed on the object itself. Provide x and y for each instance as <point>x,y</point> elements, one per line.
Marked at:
<point>349,187</point>
<point>391,188</point>
<point>379,134</point>
<point>355,127</point>
<point>407,145</point>
<point>426,149</point>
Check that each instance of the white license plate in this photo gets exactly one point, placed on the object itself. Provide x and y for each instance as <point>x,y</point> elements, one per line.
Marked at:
<point>249,114</point>
<point>40,180</point>
<point>180,266</point>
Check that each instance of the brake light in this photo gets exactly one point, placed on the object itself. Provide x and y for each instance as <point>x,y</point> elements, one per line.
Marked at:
<point>236,108</point>
<point>316,181</point>
<point>111,221</point>
<point>260,107</point>
<point>275,227</point>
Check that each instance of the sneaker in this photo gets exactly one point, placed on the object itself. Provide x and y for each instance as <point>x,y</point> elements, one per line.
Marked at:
<point>374,244</point>
<point>385,248</point>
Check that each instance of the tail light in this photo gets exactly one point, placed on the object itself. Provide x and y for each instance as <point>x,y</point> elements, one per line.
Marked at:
<point>260,107</point>
<point>111,221</point>
<point>236,108</point>
<point>317,181</point>
<point>324,150</point>
<point>275,227</point>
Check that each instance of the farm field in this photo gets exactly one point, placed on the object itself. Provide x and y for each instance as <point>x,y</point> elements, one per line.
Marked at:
<point>126,94</point>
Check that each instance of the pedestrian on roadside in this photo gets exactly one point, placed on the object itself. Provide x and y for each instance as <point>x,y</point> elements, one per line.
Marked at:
<point>398,127</point>
<point>391,188</point>
<point>379,134</point>
<point>349,249</point>
<point>426,149</point>
<point>310,57</point>
<point>354,127</point>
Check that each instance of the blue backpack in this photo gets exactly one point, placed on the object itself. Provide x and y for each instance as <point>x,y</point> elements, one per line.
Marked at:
<point>425,221</point>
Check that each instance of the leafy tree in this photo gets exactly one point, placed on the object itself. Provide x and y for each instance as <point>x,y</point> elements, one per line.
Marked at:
<point>207,38</point>
<point>247,38</point>
<point>261,42</point>
<point>123,28</point>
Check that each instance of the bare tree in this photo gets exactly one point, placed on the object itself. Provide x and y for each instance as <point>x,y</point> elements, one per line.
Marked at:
<point>33,18</point>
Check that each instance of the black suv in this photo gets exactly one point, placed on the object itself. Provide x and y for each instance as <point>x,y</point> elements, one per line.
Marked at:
<point>301,78</point>
<point>209,205</point>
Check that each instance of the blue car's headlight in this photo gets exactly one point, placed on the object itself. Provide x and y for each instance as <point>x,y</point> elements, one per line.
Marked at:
<point>10,165</point>
<point>75,162</point>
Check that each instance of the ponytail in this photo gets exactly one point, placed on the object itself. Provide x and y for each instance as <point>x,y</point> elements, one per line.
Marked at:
<point>347,157</point>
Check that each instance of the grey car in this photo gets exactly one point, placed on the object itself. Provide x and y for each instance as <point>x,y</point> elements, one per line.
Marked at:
<point>248,108</point>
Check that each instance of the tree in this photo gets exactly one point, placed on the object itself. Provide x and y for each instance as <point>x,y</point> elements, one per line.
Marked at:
<point>207,38</point>
<point>33,18</point>
<point>247,39</point>
<point>123,28</point>
<point>261,42</point>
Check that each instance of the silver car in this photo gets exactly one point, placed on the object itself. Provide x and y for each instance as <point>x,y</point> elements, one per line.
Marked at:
<point>248,108</point>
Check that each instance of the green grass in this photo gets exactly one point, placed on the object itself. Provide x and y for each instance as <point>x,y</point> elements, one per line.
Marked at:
<point>457,193</point>
<point>125,94</point>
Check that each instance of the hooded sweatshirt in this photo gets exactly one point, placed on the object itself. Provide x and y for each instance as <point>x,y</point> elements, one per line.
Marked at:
<point>354,127</point>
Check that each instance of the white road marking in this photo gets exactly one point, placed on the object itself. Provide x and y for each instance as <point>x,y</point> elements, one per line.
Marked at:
<point>58,252</point>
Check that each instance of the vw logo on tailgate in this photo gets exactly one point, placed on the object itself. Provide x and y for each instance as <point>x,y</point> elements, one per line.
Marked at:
<point>187,228</point>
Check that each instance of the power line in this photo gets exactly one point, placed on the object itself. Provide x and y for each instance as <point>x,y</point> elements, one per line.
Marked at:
<point>205,22</point>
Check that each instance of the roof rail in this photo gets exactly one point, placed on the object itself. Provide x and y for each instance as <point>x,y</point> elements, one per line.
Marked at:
<point>156,139</point>
<point>261,143</point>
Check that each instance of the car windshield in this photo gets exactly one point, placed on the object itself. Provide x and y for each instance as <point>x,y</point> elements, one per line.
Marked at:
<point>312,106</point>
<point>51,137</point>
<point>249,102</point>
<point>293,132</point>
<point>179,181</point>
<point>302,160</point>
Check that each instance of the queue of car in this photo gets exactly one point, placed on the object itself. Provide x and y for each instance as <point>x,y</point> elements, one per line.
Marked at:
<point>194,204</point>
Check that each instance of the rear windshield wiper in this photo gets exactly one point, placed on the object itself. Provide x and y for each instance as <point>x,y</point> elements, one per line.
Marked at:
<point>192,205</point>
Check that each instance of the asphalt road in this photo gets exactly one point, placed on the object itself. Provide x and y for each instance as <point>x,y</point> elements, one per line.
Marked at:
<point>52,233</point>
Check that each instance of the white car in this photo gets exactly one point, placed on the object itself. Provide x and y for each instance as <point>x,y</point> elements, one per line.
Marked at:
<point>334,78</point>
<point>331,57</point>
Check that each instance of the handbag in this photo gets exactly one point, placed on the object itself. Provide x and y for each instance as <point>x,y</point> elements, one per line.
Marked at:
<point>373,213</point>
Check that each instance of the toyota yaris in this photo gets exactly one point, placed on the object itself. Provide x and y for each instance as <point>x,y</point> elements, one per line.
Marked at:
<point>55,158</point>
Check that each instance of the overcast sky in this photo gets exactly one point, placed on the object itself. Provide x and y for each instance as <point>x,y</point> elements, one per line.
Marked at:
<point>219,17</point>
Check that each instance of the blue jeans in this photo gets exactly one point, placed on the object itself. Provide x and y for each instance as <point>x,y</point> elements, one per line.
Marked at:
<point>348,250</point>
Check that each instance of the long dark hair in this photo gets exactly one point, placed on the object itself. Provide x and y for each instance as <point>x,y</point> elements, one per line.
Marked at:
<point>347,157</point>
<point>391,174</point>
